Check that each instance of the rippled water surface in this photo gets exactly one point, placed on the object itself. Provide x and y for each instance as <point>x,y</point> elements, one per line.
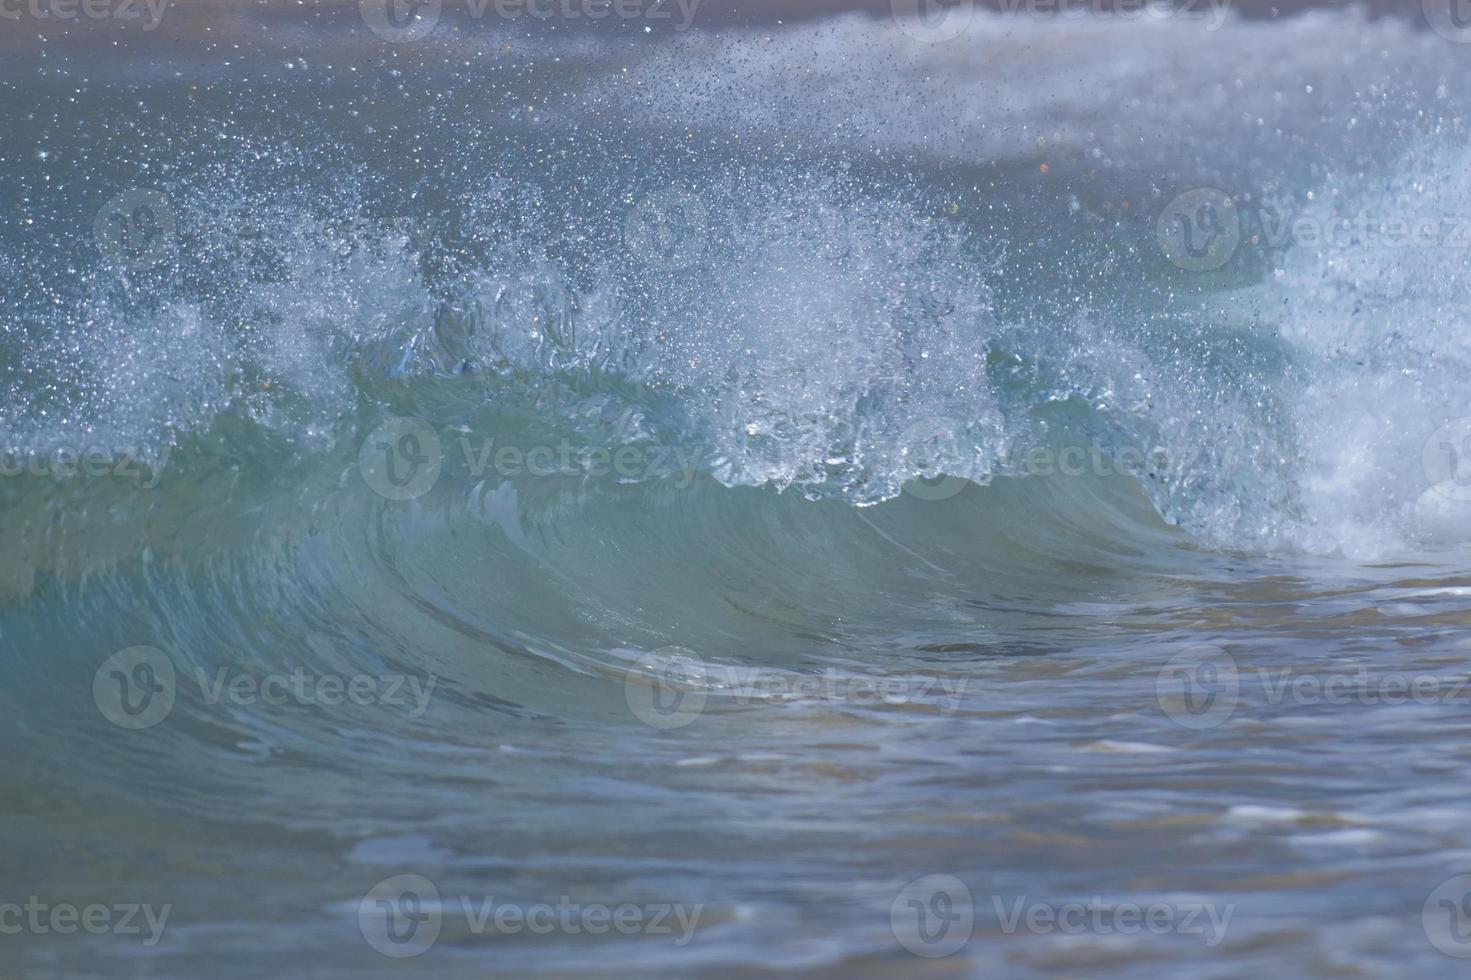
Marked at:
<point>854,495</point>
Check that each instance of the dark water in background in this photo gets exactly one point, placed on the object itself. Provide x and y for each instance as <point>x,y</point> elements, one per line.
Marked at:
<point>836,497</point>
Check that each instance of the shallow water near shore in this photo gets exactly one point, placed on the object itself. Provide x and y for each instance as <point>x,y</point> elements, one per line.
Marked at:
<point>794,498</point>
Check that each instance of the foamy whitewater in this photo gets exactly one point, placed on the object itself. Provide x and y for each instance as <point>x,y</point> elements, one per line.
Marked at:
<point>843,492</point>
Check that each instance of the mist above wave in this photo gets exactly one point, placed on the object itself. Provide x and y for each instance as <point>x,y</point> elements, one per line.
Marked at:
<point>830,299</point>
